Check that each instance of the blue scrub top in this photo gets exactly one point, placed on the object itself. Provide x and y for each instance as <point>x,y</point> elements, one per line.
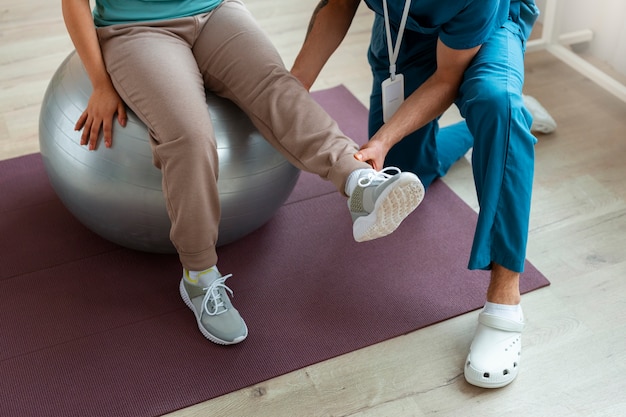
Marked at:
<point>460,24</point>
<point>111,12</point>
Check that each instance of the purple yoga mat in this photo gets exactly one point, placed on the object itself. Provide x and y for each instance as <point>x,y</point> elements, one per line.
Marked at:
<point>88,328</point>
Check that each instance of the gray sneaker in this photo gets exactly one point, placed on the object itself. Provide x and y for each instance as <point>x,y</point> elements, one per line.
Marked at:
<point>217,319</point>
<point>381,201</point>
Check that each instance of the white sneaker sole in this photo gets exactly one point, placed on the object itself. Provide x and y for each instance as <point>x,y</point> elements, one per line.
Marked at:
<point>391,208</point>
<point>205,333</point>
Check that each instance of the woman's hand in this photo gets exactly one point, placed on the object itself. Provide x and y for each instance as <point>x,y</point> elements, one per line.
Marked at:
<point>102,107</point>
<point>104,102</point>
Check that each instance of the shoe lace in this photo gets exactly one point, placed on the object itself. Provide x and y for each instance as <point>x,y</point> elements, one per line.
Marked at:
<point>213,304</point>
<point>378,176</point>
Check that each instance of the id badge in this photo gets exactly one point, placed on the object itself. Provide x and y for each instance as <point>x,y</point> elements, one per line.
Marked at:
<point>393,96</point>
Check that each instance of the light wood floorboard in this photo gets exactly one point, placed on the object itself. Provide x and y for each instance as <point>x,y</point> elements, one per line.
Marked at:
<point>575,344</point>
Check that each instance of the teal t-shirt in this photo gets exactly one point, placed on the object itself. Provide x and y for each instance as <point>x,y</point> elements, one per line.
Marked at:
<point>112,12</point>
<point>460,24</point>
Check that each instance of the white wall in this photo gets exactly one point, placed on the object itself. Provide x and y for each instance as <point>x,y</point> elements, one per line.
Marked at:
<point>607,20</point>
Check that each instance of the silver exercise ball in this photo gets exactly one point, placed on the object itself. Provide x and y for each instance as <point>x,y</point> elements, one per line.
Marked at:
<point>117,192</point>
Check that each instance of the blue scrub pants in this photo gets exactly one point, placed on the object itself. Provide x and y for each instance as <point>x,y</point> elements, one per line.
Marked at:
<point>496,125</point>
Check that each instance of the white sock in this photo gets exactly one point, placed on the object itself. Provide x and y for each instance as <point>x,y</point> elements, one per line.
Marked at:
<point>353,179</point>
<point>205,277</point>
<point>513,312</point>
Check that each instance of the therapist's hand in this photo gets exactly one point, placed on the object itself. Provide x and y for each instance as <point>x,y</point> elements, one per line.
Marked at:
<point>374,153</point>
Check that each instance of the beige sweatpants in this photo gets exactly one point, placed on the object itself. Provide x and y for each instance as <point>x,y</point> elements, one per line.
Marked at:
<point>161,70</point>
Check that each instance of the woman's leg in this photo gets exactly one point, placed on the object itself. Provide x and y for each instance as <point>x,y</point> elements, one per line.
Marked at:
<point>156,74</point>
<point>239,62</point>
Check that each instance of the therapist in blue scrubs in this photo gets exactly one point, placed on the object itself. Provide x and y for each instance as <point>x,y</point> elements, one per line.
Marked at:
<point>426,55</point>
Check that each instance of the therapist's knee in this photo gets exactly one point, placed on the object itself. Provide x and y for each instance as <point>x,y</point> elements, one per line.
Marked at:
<point>490,100</point>
<point>497,110</point>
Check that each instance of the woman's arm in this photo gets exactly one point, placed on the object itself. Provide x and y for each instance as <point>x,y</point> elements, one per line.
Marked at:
<point>104,102</point>
<point>328,26</point>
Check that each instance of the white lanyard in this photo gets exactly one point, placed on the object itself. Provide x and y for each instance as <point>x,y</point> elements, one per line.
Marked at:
<point>393,52</point>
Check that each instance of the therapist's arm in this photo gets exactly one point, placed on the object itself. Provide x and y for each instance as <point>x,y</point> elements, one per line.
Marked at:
<point>328,27</point>
<point>429,101</point>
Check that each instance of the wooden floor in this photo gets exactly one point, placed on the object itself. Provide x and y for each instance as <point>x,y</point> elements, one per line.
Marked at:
<point>574,360</point>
